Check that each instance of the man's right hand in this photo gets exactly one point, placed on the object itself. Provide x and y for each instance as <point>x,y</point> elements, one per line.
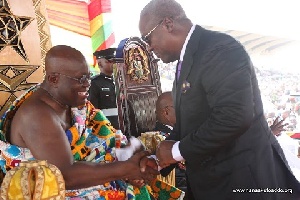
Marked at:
<point>135,172</point>
<point>278,126</point>
<point>149,169</point>
<point>144,168</point>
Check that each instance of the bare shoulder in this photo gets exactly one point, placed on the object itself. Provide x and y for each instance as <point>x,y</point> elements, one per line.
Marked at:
<point>38,127</point>
<point>34,110</point>
<point>34,117</point>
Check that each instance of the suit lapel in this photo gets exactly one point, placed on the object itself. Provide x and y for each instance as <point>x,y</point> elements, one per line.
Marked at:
<point>187,63</point>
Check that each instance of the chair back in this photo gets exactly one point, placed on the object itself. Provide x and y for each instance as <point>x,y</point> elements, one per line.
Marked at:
<point>138,87</point>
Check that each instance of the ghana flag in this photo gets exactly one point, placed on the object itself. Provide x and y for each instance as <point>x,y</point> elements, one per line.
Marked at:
<point>100,17</point>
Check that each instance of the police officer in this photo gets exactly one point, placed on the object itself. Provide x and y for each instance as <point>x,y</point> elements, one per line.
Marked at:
<point>102,92</point>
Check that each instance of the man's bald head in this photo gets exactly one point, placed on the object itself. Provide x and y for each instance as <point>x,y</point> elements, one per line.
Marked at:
<point>165,112</point>
<point>67,76</point>
<point>58,55</point>
<point>165,99</point>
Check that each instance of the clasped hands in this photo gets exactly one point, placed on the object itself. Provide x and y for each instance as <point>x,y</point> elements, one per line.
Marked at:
<point>148,166</point>
<point>144,170</point>
<point>164,155</point>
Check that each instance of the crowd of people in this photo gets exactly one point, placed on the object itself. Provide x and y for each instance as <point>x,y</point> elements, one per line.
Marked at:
<point>282,99</point>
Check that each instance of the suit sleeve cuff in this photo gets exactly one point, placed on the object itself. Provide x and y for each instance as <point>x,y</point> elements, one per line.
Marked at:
<point>176,152</point>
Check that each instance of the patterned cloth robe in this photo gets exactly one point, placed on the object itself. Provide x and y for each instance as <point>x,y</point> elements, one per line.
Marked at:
<point>92,139</point>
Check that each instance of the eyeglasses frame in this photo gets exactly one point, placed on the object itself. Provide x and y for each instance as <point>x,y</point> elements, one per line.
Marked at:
<point>145,38</point>
<point>81,80</point>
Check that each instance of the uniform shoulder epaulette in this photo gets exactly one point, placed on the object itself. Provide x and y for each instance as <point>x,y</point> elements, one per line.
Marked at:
<point>94,77</point>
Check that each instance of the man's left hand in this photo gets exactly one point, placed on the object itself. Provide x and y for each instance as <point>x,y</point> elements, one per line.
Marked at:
<point>164,153</point>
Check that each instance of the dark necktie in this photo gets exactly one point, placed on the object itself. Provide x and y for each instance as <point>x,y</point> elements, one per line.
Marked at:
<point>178,69</point>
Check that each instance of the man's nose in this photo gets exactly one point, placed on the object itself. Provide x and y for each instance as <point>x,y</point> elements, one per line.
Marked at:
<point>87,83</point>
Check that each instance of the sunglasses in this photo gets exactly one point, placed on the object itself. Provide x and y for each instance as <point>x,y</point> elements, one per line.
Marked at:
<point>81,80</point>
<point>146,38</point>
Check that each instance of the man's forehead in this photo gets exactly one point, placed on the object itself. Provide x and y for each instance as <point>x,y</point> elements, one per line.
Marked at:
<point>145,21</point>
<point>73,64</point>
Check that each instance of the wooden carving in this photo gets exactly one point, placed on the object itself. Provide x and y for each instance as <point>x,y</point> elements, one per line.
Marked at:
<point>24,41</point>
<point>138,63</point>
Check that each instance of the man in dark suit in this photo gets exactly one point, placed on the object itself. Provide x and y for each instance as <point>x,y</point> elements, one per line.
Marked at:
<point>220,132</point>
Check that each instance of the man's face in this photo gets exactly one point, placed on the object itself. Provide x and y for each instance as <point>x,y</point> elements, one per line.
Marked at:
<point>166,115</point>
<point>157,37</point>
<point>74,83</point>
<point>106,66</point>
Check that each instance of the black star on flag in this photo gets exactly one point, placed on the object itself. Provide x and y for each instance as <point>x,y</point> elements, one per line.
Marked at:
<point>11,27</point>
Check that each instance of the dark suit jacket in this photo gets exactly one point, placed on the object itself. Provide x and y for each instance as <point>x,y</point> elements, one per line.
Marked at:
<point>223,135</point>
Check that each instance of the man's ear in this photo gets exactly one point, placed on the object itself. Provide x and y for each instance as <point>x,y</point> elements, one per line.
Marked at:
<point>165,112</point>
<point>53,79</point>
<point>169,23</point>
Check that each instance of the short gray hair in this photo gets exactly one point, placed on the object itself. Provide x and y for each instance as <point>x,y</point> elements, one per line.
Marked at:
<point>159,9</point>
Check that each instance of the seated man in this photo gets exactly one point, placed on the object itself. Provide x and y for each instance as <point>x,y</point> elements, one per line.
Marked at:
<point>165,112</point>
<point>54,121</point>
<point>166,119</point>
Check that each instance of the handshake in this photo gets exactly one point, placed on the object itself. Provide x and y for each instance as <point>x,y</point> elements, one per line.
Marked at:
<point>143,167</point>
<point>141,151</point>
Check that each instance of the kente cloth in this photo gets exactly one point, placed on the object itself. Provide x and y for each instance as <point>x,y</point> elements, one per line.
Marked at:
<point>92,139</point>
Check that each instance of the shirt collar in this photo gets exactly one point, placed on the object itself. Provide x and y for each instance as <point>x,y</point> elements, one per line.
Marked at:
<point>186,41</point>
<point>102,74</point>
<point>170,127</point>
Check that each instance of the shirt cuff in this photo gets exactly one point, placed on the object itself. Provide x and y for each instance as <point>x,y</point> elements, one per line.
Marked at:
<point>176,152</point>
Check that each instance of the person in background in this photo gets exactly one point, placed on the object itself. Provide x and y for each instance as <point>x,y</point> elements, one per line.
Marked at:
<point>277,126</point>
<point>54,121</point>
<point>165,113</point>
<point>165,116</point>
<point>289,146</point>
<point>220,132</point>
<point>102,93</point>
